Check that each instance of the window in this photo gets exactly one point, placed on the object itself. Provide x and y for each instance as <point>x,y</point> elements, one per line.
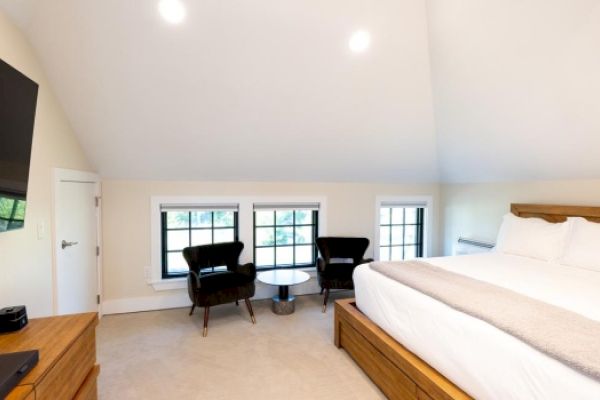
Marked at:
<point>180,221</point>
<point>400,232</point>
<point>285,237</point>
<point>184,226</point>
<point>12,213</point>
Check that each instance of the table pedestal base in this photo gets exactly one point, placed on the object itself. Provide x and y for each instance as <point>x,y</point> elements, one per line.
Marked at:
<point>283,306</point>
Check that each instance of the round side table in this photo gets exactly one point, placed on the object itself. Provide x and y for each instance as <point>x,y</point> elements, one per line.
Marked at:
<point>283,304</point>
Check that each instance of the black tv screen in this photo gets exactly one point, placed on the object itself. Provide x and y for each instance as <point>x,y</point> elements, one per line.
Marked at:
<point>18,100</point>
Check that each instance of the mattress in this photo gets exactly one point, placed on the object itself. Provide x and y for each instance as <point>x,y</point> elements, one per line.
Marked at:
<point>482,360</point>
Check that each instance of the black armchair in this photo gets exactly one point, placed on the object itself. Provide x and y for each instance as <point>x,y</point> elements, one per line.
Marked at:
<point>219,287</point>
<point>337,274</point>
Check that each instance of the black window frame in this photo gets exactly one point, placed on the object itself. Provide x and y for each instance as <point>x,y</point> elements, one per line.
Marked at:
<point>314,225</point>
<point>420,227</point>
<point>12,222</point>
<point>165,251</point>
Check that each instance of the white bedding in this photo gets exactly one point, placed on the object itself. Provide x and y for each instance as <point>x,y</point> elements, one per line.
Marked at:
<point>479,358</point>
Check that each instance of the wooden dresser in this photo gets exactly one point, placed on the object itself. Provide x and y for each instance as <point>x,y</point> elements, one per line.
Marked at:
<point>67,367</point>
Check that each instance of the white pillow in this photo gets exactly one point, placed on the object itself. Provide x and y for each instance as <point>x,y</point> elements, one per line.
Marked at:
<point>583,246</point>
<point>532,237</point>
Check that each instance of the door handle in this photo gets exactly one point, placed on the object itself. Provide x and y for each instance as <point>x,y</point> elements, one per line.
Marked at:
<point>64,244</point>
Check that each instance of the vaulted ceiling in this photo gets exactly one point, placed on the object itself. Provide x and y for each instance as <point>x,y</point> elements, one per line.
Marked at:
<point>517,88</point>
<point>470,90</point>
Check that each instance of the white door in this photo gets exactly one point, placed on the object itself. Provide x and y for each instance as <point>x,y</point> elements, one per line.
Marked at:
<point>76,236</point>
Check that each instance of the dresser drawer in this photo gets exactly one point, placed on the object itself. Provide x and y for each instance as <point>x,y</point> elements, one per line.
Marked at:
<point>24,392</point>
<point>89,388</point>
<point>421,395</point>
<point>64,379</point>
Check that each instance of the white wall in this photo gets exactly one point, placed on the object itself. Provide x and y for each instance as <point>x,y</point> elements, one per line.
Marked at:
<point>25,258</point>
<point>475,210</point>
<point>516,88</point>
<point>127,240</point>
<point>516,93</point>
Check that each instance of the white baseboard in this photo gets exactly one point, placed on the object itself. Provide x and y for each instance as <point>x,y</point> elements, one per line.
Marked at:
<point>176,299</point>
<point>179,298</point>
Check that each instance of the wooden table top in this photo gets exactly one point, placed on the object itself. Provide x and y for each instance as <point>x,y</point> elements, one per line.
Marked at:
<point>52,336</point>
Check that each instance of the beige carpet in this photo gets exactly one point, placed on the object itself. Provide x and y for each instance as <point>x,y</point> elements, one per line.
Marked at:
<point>162,355</point>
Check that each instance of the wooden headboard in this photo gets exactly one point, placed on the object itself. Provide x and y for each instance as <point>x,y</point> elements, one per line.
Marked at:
<point>553,213</point>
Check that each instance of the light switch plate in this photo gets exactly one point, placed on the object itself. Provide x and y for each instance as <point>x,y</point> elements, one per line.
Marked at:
<point>41,230</point>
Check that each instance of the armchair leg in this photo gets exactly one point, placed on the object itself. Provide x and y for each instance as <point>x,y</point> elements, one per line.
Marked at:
<point>206,312</point>
<point>325,299</point>
<point>237,302</point>
<point>249,306</point>
<point>192,310</point>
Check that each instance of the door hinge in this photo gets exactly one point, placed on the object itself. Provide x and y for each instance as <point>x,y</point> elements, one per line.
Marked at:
<point>97,299</point>
<point>97,251</point>
<point>97,201</point>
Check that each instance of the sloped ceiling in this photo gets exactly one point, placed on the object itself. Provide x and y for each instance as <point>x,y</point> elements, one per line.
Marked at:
<point>267,90</point>
<point>516,88</point>
<point>243,89</point>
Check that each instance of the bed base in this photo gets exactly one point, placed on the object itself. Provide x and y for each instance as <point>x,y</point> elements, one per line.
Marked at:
<point>395,370</point>
<point>399,373</point>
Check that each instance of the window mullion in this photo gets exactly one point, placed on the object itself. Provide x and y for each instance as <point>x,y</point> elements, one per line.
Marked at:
<point>390,228</point>
<point>404,233</point>
<point>236,235</point>
<point>294,237</point>
<point>274,239</point>
<point>391,248</point>
<point>315,223</point>
<point>421,229</point>
<point>189,228</point>
<point>165,268</point>
<point>254,226</point>
<point>212,227</point>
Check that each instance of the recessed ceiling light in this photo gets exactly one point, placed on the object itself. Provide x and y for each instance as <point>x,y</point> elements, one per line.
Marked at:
<point>359,41</point>
<point>172,11</point>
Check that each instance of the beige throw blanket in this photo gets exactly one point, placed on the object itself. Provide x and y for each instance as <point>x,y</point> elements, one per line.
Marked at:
<point>563,335</point>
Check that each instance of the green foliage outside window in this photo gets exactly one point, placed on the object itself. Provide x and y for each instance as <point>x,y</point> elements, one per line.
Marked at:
<point>199,219</point>
<point>12,213</point>
<point>284,238</point>
<point>193,228</point>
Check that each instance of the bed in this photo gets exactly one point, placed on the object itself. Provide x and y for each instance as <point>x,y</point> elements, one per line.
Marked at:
<point>414,347</point>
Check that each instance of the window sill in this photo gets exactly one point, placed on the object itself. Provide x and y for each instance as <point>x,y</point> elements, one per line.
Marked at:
<point>169,284</point>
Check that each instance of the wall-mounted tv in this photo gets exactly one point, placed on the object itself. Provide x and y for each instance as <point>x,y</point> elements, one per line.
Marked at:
<point>18,100</point>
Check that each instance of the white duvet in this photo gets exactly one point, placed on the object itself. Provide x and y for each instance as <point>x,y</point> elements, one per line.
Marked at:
<point>479,358</point>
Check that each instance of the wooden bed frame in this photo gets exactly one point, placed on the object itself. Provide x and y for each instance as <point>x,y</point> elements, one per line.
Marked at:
<point>399,373</point>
